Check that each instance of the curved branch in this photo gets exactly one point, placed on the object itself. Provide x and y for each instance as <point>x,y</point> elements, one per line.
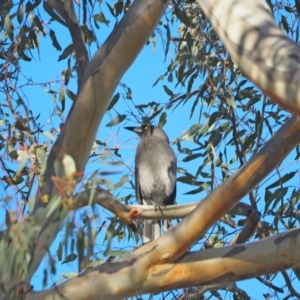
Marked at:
<point>260,48</point>
<point>248,230</point>
<point>229,193</point>
<point>126,277</point>
<point>163,264</point>
<point>128,213</point>
<point>287,280</point>
<point>100,80</point>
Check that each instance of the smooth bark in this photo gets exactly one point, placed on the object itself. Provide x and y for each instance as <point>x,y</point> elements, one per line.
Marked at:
<point>260,48</point>
<point>159,265</point>
<point>99,82</point>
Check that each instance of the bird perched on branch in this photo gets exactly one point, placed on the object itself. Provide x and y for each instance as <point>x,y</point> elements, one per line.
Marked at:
<point>155,174</point>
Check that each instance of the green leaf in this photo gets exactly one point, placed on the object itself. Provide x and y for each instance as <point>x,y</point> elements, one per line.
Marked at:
<point>158,79</point>
<point>249,142</point>
<point>203,187</point>
<point>49,135</point>
<point>162,120</point>
<point>38,24</point>
<point>80,244</point>
<point>43,158</point>
<point>180,73</point>
<point>188,179</point>
<point>7,6</point>
<point>101,18</point>
<point>111,9</point>
<point>213,117</point>
<point>277,195</point>
<point>231,102</point>
<point>110,186</point>
<point>69,258</point>
<point>66,53</point>
<point>53,205</point>
<point>215,138</point>
<point>2,122</point>
<point>102,225</point>
<point>22,54</point>
<point>105,155</point>
<point>88,34</point>
<point>192,157</point>
<point>122,181</point>
<point>33,40</point>
<point>59,251</point>
<point>181,15</point>
<point>95,263</point>
<point>285,24</point>
<point>282,180</point>
<point>113,101</point>
<point>62,98</point>
<point>190,132</point>
<point>116,120</point>
<point>9,27</point>
<point>48,8</point>
<point>118,7</point>
<point>20,13</point>
<point>22,156</point>
<point>13,154</point>
<point>66,75</point>
<point>70,94</point>
<point>54,40</point>
<point>168,91</point>
<point>288,9</point>
<point>118,253</point>
<point>168,39</point>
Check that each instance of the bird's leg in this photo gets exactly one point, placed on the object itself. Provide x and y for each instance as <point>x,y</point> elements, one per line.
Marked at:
<point>158,206</point>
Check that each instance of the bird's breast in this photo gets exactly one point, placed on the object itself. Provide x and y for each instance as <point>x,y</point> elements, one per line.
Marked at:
<point>156,163</point>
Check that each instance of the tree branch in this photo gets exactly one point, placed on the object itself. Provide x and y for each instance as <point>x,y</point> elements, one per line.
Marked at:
<point>100,80</point>
<point>260,48</point>
<point>129,213</point>
<point>159,265</point>
<point>126,277</point>
<point>68,14</point>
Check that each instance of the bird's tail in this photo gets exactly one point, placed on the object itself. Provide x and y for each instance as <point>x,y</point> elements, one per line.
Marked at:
<point>151,231</point>
<point>167,225</point>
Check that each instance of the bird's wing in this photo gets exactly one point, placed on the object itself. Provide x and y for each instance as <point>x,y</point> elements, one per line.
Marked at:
<point>171,200</point>
<point>138,192</point>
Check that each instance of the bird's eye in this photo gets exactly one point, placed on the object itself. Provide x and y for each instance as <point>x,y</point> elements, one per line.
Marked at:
<point>145,127</point>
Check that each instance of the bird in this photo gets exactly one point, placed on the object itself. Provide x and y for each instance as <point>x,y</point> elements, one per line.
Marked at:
<point>155,174</point>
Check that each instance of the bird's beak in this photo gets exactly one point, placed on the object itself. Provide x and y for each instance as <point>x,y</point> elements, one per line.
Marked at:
<point>137,130</point>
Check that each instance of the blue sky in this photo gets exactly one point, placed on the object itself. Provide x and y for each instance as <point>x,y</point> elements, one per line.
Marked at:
<point>140,78</point>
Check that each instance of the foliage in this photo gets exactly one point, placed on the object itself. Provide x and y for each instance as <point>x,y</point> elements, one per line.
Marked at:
<point>228,119</point>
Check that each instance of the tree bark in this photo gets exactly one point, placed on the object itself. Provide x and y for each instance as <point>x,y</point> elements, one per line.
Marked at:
<point>164,264</point>
<point>260,48</point>
<point>78,133</point>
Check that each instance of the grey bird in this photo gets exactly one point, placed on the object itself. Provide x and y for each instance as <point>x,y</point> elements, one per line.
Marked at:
<point>155,174</point>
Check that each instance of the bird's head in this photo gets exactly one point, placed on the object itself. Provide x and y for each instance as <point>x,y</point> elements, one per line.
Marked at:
<point>147,129</point>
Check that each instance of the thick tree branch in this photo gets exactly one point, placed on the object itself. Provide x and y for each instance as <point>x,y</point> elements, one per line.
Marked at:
<point>125,278</point>
<point>100,80</point>
<point>159,265</point>
<point>260,48</point>
<point>219,201</point>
